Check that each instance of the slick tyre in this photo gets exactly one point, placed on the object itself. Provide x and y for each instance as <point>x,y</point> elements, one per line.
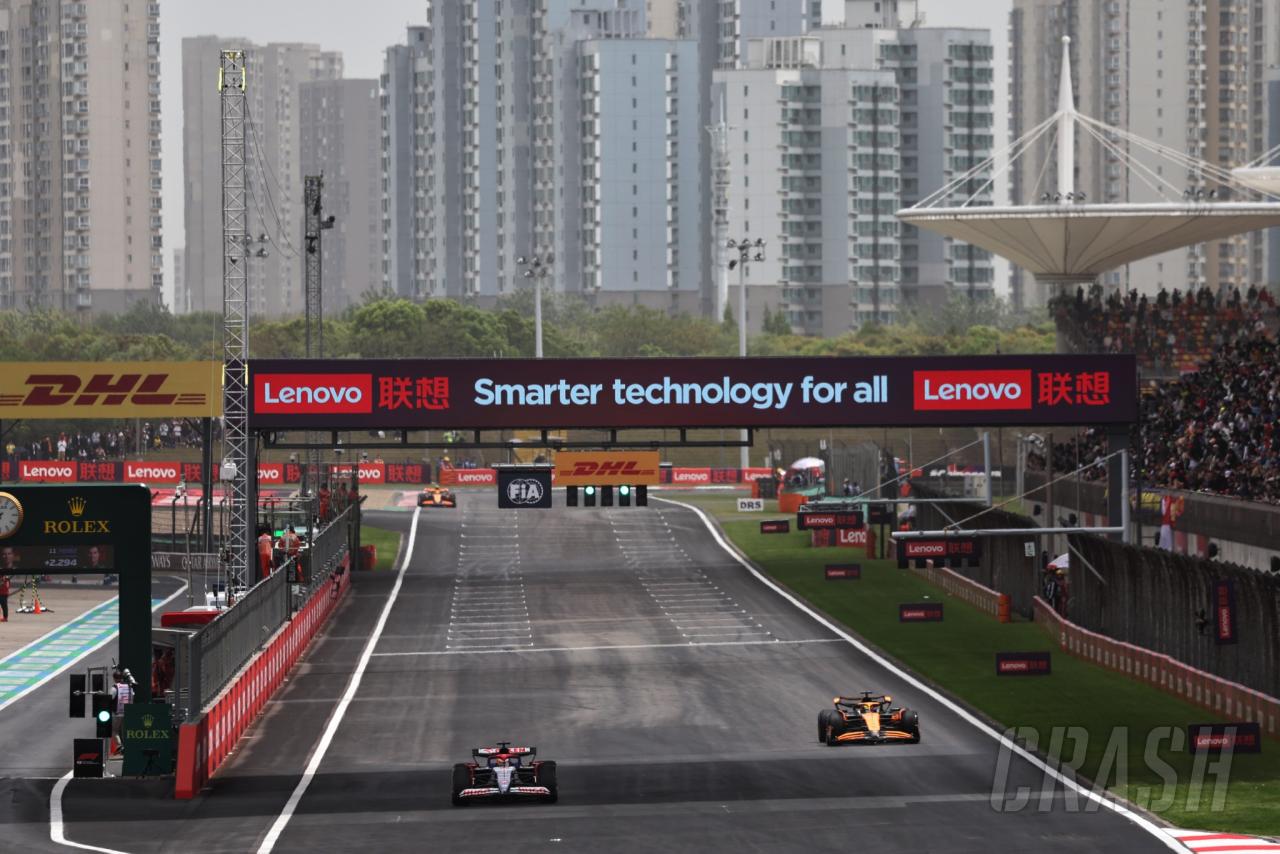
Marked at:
<point>911,720</point>
<point>547,777</point>
<point>832,734</point>
<point>461,780</point>
<point>824,719</point>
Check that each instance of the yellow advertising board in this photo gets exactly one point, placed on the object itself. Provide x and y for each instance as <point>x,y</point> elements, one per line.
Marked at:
<point>60,390</point>
<point>607,468</point>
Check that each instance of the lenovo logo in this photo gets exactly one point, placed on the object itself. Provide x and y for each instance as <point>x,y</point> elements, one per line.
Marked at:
<point>475,477</point>
<point>56,472</point>
<point>142,472</point>
<point>926,549</point>
<point>690,476</point>
<point>271,474</point>
<point>972,390</point>
<point>313,393</point>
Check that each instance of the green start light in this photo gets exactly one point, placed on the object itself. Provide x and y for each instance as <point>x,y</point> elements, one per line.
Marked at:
<point>104,716</point>
<point>624,490</point>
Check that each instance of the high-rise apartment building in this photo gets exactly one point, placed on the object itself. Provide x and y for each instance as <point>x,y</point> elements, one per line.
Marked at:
<point>639,224</point>
<point>815,172</point>
<point>843,128</point>
<point>79,154</point>
<point>405,81</point>
<point>493,115</point>
<point>739,21</point>
<point>1187,74</point>
<point>275,72</point>
<point>340,141</point>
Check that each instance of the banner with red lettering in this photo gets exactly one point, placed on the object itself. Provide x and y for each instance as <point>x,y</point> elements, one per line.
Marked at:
<point>103,472</point>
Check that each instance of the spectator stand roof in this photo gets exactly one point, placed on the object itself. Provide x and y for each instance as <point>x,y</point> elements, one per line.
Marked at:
<point>1066,240</point>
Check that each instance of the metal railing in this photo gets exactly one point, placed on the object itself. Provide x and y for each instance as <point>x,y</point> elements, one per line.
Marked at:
<point>219,650</point>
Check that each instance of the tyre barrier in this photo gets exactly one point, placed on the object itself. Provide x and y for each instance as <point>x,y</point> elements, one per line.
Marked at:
<point>205,743</point>
<point>1230,700</point>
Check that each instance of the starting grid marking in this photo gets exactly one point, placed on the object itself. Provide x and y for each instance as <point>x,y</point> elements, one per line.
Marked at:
<point>695,606</point>
<point>48,654</point>
<point>488,610</point>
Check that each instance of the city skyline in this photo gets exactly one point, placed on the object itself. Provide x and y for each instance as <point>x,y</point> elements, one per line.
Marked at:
<point>362,40</point>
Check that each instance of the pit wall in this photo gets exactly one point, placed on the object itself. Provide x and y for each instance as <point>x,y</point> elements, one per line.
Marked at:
<point>205,743</point>
<point>1230,701</point>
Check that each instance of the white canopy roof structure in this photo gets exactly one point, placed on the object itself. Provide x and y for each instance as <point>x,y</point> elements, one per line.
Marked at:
<point>1066,240</point>
<point>1081,242</point>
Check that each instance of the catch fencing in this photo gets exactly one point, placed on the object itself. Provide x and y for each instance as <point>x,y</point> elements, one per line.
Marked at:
<point>1004,565</point>
<point>1165,601</point>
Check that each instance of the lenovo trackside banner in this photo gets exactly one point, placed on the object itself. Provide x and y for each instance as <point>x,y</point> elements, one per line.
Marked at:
<point>788,392</point>
<point>111,390</point>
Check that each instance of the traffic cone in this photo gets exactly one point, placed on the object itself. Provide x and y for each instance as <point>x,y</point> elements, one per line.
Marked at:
<point>38,609</point>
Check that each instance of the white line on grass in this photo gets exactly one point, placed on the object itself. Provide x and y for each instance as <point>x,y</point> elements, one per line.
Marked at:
<point>340,711</point>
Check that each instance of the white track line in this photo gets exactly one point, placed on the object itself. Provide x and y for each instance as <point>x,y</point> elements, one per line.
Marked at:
<point>340,711</point>
<point>618,647</point>
<point>1142,822</point>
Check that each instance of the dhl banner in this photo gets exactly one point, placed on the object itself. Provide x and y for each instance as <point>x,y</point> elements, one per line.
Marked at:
<point>111,390</point>
<point>607,468</point>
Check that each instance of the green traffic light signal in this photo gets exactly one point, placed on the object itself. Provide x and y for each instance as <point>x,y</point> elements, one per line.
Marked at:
<point>624,490</point>
<point>590,490</point>
<point>104,716</point>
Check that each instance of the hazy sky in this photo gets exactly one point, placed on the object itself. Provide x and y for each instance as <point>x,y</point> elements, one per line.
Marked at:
<point>361,30</point>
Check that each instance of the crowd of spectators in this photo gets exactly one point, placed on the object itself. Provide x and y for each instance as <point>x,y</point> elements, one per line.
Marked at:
<point>114,444</point>
<point>1214,430</point>
<point>1174,331</point>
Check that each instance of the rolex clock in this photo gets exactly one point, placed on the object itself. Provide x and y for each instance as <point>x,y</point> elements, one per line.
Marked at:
<point>10,515</point>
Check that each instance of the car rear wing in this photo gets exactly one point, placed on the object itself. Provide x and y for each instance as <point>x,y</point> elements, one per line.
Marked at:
<point>477,752</point>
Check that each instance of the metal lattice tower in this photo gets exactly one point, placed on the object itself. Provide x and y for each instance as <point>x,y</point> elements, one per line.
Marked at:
<point>235,317</point>
<point>313,295</point>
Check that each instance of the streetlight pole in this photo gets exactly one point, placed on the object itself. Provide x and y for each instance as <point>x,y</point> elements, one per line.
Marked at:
<point>748,250</point>
<point>537,269</point>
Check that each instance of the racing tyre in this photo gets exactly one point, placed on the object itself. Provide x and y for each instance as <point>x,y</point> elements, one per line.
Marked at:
<point>824,718</point>
<point>911,720</point>
<point>547,777</point>
<point>833,732</point>
<point>461,780</point>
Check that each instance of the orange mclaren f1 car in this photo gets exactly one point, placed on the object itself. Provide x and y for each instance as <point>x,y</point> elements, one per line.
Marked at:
<point>869,718</point>
<point>436,496</point>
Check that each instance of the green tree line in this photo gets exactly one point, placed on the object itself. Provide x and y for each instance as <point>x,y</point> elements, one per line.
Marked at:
<point>391,327</point>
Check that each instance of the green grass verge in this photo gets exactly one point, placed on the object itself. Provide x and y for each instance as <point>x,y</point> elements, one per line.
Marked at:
<point>388,543</point>
<point>958,655</point>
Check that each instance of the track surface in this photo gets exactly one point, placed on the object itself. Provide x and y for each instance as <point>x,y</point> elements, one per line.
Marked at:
<point>678,694</point>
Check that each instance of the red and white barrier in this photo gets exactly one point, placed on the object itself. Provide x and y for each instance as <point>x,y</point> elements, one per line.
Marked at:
<point>1230,700</point>
<point>979,596</point>
<point>206,742</point>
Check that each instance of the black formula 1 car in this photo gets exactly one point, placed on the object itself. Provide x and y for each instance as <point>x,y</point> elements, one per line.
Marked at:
<point>869,718</point>
<point>436,496</point>
<point>504,773</point>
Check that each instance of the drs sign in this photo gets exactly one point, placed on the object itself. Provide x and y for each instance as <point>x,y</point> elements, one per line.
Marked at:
<point>520,490</point>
